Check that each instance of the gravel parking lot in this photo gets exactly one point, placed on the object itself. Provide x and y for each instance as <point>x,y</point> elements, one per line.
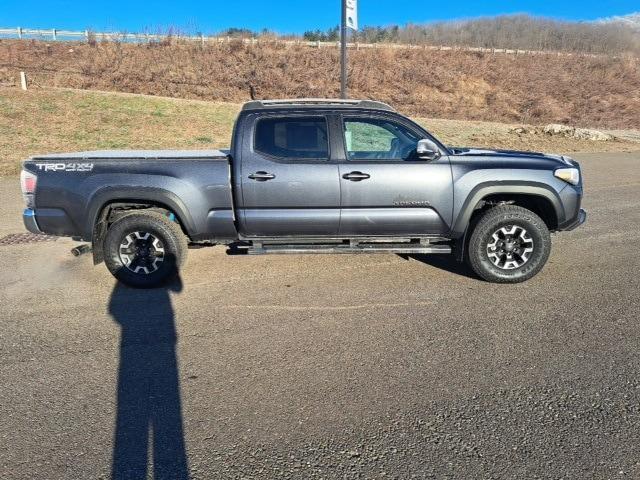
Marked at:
<point>328,366</point>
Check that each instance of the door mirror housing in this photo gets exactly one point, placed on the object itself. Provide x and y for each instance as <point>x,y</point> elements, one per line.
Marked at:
<point>427,150</point>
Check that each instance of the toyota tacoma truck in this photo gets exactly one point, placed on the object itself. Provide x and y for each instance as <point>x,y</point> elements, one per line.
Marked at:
<point>308,176</point>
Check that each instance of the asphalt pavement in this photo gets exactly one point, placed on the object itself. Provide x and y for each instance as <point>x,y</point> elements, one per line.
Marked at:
<point>328,366</point>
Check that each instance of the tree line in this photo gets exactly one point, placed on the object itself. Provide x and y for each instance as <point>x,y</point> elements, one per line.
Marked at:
<point>510,31</point>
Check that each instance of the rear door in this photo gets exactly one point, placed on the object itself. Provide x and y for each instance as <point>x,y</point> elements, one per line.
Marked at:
<point>289,184</point>
<point>386,190</point>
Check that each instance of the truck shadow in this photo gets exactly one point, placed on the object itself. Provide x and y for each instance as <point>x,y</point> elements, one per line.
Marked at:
<point>149,412</point>
<point>443,262</point>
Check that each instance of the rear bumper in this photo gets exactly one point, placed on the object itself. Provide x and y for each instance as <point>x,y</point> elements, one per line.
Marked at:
<point>52,221</point>
<point>29,219</point>
<point>579,220</point>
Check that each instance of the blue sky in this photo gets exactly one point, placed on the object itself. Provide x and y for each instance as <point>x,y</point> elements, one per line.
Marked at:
<point>283,16</point>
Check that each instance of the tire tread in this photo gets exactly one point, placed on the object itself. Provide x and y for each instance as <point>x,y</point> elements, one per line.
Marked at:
<point>490,220</point>
<point>142,219</point>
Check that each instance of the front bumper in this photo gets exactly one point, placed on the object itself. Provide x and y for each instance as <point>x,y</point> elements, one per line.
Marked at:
<point>579,220</point>
<point>29,219</point>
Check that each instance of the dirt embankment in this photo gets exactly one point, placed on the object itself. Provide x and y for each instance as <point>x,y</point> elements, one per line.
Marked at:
<point>536,89</point>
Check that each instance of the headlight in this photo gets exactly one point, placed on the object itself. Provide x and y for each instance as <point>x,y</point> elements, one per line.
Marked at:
<point>569,175</point>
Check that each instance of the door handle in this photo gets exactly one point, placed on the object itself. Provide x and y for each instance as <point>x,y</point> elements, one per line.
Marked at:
<point>356,176</point>
<point>262,176</point>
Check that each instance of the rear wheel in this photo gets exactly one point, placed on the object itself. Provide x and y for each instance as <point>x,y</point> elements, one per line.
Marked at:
<point>509,244</point>
<point>144,249</point>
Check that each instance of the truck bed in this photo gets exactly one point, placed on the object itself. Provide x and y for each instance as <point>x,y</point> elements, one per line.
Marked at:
<point>73,188</point>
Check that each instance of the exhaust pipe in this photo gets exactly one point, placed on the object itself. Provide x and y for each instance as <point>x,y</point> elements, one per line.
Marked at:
<point>80,249</point>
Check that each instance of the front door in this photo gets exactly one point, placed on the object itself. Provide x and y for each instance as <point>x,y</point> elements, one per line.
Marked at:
<point>386,190</point>
<point>289,184</point>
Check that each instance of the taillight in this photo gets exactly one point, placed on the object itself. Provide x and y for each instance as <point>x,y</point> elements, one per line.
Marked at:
<point>28,183</point>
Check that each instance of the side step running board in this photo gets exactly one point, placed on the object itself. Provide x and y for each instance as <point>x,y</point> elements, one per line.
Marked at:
<point>407,248</point>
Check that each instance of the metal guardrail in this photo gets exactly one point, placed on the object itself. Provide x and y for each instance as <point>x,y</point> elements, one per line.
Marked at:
<point>86,35</point>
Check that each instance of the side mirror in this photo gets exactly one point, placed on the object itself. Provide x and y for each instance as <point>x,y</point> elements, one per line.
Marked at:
<point>427,150</point>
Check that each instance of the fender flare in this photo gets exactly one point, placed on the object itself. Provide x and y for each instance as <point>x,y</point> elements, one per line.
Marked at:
<point>152,195</point>
<point>460,227</point>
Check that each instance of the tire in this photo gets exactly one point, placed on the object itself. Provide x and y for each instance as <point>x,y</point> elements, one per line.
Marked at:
<point>498,250</point>
<point>144,249</point>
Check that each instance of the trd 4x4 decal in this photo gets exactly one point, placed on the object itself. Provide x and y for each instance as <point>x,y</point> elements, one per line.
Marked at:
<point>65,167</point>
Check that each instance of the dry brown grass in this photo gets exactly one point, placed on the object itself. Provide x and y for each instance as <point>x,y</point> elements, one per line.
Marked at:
<point>577,90</point>
<point>56,120</point>
<point>502,136</point>
<point>41,121</point>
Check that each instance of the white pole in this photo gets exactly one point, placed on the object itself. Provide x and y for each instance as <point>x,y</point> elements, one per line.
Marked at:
<point>343,51</point>
<point>23,80</point>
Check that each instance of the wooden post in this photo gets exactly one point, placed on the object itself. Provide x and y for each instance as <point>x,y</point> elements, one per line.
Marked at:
<point>23,80</point>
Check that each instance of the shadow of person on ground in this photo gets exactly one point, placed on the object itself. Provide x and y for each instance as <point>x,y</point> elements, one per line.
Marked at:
<point>443,262</point>
<point>149,408</point>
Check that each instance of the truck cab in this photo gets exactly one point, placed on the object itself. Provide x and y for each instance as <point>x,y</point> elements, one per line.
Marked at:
<point>338,170</point>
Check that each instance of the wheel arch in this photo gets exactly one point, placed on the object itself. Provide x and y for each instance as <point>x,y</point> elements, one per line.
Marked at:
<point>138,195</point>
<point>537,197</point>
<point>102,210</point>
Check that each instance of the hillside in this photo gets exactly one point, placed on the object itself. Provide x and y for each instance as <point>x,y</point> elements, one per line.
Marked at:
<point>57,120</point>
<point>584,91</point>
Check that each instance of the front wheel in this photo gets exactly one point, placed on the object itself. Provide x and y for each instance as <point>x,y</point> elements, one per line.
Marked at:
<point>509,244</point>
<point>144,249</point>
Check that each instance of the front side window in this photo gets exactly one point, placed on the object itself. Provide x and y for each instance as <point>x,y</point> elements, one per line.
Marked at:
<point>378,139</point>
<point>293,138</point>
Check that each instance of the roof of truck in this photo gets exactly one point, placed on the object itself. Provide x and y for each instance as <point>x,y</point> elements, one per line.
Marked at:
<point>316,103</point>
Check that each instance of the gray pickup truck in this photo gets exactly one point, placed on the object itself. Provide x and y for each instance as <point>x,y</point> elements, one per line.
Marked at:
<point>308,176</point>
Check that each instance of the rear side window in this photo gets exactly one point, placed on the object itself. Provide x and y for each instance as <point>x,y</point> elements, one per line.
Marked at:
<point>303,138</point>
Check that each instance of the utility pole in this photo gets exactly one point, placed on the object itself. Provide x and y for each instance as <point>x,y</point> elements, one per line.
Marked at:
<point>343,51</point>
